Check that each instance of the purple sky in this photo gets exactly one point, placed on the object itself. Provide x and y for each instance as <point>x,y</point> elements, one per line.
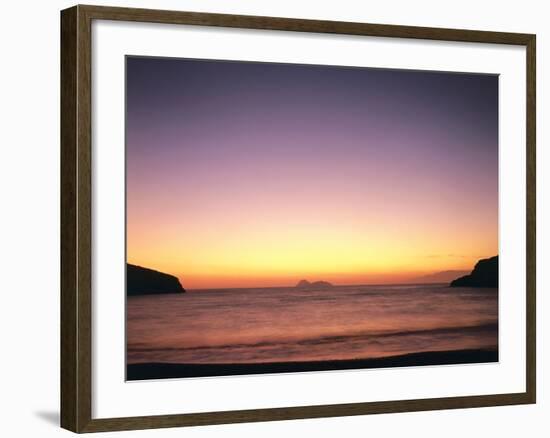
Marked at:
<point>238,171</point>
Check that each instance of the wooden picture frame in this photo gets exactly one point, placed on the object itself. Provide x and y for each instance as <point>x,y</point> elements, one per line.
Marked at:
<point>76,218</point>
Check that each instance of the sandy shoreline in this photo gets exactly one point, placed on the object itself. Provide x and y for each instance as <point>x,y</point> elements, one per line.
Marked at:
<point>145,371</point>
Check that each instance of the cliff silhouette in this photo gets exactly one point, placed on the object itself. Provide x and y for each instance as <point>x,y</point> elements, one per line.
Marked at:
<point>144,281</point>
<point>485,274</point>
<point>439,277</point>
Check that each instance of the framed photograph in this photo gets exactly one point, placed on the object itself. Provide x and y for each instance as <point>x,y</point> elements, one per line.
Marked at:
<point>272,218</point>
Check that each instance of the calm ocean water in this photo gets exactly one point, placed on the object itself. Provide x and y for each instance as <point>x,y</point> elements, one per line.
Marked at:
<point>289,324</point>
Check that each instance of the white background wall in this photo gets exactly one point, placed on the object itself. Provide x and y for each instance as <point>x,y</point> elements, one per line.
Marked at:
<point>29,231</point>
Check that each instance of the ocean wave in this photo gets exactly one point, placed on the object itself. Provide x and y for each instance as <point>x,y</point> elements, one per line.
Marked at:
<point>371,336</point>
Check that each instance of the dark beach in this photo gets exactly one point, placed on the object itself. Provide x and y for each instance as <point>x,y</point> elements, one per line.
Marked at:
<point>145,371</point>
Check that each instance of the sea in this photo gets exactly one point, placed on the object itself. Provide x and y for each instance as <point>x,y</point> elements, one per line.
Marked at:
<point>287,324</point>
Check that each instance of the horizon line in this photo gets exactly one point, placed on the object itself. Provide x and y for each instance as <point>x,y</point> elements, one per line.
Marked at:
<point>333,285</point>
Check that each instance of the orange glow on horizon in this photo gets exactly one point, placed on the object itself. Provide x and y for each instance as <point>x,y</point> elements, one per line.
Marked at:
<point>224,254</point>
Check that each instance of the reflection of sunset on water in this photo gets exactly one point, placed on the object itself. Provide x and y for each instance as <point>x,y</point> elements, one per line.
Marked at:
<point>289,324</point>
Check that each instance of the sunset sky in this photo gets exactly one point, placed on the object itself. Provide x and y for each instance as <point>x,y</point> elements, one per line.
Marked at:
<point>256,174</point>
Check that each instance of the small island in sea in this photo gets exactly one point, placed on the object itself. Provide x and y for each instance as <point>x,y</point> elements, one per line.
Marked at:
<point>304,284</point>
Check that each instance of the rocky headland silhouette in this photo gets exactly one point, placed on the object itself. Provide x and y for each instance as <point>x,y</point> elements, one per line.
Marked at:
<point>145,281</point>
<point>485,274</point>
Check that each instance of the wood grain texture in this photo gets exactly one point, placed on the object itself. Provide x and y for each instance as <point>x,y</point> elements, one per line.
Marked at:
<point>75,220</point>
<point>69,328</point>
<point>76,224</point>
<point>300,25</point>
<point>531,250</point>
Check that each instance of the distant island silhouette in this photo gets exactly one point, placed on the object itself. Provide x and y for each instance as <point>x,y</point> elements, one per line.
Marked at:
<point>440,277</point>
<point>485,274</point>
<point>145,281</point>
<point>304,284</point>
